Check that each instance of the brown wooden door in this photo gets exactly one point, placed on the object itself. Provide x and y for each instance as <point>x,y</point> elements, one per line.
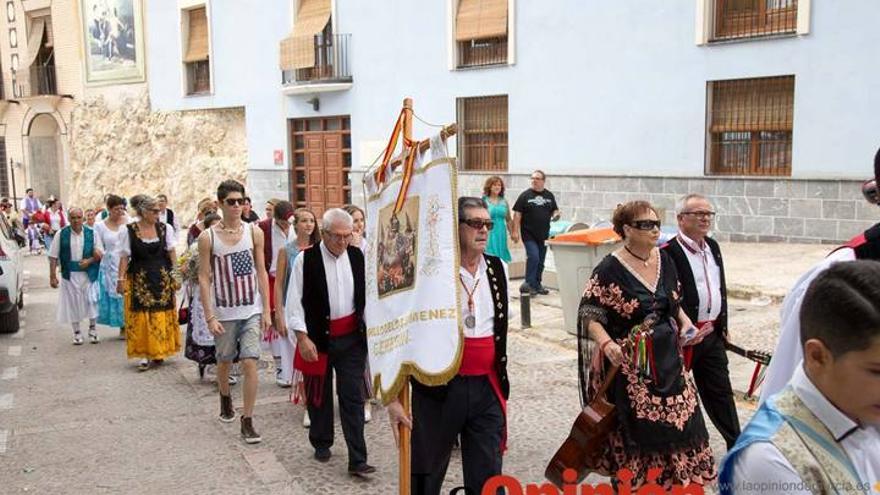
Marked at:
<point>321,161</point>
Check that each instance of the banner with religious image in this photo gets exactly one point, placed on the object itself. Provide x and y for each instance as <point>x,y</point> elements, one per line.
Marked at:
<point>412,314</point>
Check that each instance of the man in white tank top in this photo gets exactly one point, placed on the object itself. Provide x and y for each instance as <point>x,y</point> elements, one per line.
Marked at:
<point>235,294</point>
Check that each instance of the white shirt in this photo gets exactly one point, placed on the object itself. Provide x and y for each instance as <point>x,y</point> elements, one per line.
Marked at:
<point>124,245</point>
<point>763,463</point>
<point>163,217</point>
<point>279,239</point>
<point>707,277</point>
<point>76,245</point>
<point>484,306</point>
<point>55,220</point>
<point>788,351</point>
<point>340,288</point>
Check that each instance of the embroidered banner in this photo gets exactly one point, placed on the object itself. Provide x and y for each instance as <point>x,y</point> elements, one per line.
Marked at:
<point>412,315</point>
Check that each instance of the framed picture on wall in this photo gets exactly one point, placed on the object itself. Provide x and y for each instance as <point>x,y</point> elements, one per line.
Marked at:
<point>113,41</point>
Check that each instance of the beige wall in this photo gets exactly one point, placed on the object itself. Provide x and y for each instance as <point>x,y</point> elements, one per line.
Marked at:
<point>124,148</point>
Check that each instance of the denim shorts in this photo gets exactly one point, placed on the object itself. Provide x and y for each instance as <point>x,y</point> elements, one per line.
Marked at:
<point>239,338</point>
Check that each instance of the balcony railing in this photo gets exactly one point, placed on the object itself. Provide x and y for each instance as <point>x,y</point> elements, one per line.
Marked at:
<point>331,62</point>
<point>477,53</point>
<point>43,81</point>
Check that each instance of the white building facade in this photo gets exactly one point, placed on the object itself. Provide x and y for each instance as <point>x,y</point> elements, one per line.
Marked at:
<point>766,106</point>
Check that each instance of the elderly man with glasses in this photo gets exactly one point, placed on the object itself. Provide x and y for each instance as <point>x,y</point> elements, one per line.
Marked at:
<point>697,259</point>
<point>533,211</point>
<point>325,307</point>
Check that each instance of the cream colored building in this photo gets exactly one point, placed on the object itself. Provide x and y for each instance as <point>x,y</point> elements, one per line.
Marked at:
<point>41,54</point>
<point>76,120</point>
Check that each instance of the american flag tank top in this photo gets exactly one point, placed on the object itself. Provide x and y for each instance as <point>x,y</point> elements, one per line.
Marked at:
<point>236,293</point>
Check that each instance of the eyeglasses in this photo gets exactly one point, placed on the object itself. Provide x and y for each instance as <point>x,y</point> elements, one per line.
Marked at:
<point>234,201</point>
<point>700,214</point>
<point>477,223</point>
<point>646,224</point>
<point>339,237</point>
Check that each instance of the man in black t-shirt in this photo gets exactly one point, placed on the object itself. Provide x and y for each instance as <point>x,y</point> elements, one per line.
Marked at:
<point>532,213</point>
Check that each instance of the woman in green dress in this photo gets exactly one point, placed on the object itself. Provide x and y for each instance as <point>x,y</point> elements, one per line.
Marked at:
<point>499,211</point>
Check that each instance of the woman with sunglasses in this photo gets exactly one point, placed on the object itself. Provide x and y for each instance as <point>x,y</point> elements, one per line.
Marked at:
<point>146,249</point>
<point>631,311</point>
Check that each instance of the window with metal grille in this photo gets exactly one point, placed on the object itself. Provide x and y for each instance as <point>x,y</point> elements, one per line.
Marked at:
<point>198,77</point>
<point>197,55</point>
<point>481,32</point>
<point>750,126</point>
<point>482,137</point>
<point>748,18</point>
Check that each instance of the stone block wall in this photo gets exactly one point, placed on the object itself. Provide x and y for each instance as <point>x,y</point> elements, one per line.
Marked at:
<point>126,149</point>
<point>749,210</point>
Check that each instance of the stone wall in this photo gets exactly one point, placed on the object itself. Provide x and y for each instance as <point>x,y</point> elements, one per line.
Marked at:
<point>124,148</point>
<point>749,210</point>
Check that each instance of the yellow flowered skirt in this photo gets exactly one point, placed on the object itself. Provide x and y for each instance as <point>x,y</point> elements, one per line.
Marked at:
<point>151,334</point>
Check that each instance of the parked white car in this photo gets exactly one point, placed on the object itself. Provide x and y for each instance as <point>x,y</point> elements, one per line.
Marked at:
<point>11,277</point>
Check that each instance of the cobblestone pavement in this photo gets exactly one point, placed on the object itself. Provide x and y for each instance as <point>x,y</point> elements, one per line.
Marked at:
<point>82,420</point>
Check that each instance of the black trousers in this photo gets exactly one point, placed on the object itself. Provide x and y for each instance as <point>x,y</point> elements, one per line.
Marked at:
<point>712,377</point>
<point>468,408</point>
<point>347,358</point>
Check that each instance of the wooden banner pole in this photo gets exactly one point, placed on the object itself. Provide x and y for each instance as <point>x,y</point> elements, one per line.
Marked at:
<point>404,432</point>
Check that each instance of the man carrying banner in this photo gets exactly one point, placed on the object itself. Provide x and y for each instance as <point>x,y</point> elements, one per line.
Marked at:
<point>473,404</point>
<point>325,307</point>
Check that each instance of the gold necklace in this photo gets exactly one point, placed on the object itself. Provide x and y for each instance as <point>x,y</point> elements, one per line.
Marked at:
<point>230,231</point>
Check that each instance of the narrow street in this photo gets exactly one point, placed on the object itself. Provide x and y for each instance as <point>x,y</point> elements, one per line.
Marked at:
<point>82,420</point>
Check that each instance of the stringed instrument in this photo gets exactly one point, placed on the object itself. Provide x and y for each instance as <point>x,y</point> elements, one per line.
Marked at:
<point>589,434</point>
<point>583,449</point>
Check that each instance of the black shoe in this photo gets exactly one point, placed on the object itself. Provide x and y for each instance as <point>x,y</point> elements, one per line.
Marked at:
<point>227,412</point>
<point>542,290</point>
<point>525,288</point>
<point>361,471</point>
<point>322,454</point>
<point>247,431</point>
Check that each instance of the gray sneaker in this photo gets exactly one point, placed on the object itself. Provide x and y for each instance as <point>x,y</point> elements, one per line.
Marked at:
<point>247,431</point>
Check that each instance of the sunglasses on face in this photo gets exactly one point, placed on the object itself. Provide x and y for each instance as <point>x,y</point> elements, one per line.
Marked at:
<point>234,201</point>
<point>477,223</point>
<point>700,214</point>
<point>646,224</point>
<point>871,192</point>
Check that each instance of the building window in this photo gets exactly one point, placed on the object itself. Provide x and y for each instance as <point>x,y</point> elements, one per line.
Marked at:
<point>750,126</point>
<point>481,31</point>
<point>5,170</point>
<point>196,59</point>
<point>482,138</point>
<point>750,18</point>
<point>313,52</point>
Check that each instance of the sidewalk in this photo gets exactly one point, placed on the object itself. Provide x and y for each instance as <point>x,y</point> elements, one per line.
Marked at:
<point>758,277</point>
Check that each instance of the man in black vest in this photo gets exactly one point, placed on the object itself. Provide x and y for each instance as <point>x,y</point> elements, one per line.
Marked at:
<point>325,307</point>
<point>474,403</point>
<point>166,214</point>
<point>788,354</point>
<point>697,259</point>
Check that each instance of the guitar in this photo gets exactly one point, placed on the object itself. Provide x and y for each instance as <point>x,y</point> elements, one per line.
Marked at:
<point>582,450</point>
<point>760,357</point>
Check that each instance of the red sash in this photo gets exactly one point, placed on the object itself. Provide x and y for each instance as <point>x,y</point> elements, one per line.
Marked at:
<point>478,359</point>
<point>314,372</point>
<point>688,351</point>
